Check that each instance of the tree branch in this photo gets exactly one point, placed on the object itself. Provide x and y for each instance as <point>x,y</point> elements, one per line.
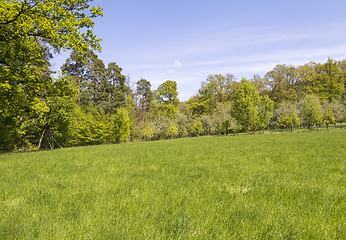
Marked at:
<point>39,143</point>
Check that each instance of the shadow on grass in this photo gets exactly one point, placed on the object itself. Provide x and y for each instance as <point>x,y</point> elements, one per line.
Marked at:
<point>339,126</point>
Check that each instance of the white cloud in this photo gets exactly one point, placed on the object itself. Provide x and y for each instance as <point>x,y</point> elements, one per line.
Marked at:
<point>177,63</point>
<point>167,73</point>
<point>294,56</point>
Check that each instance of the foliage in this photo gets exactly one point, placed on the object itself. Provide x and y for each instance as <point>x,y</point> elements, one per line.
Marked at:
<point>224,87</point>
<point>184,124</point>
<point>30,32</point>
<point>223,122</point>
<point>103,87</point>
<point>161,124</point>
<point>94,127</point>
<point>49,117</point>
<point>281,81</point>
<point>339,110</point>
<point>208,122</point>
<point>197,128</point>
<point>172,131</point>
<point>245,108</point>
<point>204,101</point>
<point>167,93</point>
<point>28,29</point>
<point>287,115</point>
<point>118,94</point>
<point>122,125</point>
<point>328,81</point>
<point>38,111</point>
<point>144,92</point>
<point>328,117</point>
<point>265,112</point>
<point>311,111</point>
<point>147,133</point>
<point>166,99</point>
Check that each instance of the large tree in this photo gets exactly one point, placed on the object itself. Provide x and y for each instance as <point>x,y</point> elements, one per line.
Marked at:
<point>250,109</point>
<point>245,108</point>
<point>29,28</point>
<point>118,88</point>
<point>145,96</point>
<point>281,81</point>
<point>166,99</point>
<point>286,115</point>
<point>225,86</point>
<point>29,31</point>
<point>205,101</point>
<point>311,111</point>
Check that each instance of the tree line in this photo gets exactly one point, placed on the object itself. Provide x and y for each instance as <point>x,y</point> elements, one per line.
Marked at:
<point>91,103</point>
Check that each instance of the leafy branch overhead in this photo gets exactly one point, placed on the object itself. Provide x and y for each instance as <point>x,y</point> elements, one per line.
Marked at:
<point>57,22</point>
<point>31,30</point>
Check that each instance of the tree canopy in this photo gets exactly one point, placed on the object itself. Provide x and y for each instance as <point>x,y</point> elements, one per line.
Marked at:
<point>30,31</point>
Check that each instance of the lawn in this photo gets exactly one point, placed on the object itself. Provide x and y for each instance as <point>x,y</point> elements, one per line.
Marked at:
<point>267,186</point>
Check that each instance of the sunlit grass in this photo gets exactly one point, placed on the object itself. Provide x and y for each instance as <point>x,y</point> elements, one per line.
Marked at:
<point>269,186</point>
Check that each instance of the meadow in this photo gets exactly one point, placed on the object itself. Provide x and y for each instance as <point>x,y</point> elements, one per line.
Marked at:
<point>262,186</point>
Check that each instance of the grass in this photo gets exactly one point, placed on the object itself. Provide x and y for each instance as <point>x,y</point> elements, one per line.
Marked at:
<point>269,186</point>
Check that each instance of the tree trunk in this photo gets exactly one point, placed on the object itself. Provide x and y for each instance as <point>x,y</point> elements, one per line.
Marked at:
<point>49,143</point>
<point>39,143</point>
<point>78,84</point>
<point>56,141</point>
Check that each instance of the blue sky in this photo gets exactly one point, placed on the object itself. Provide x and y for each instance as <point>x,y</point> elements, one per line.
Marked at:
<point>185,41</point>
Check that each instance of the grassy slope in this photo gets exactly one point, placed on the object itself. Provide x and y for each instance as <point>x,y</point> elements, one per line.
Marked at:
<point>280,186</point>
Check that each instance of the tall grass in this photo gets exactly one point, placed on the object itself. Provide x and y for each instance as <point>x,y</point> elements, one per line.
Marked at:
<point>269,186</point>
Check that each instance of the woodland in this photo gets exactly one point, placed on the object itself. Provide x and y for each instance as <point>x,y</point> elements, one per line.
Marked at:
<point>90,103</point>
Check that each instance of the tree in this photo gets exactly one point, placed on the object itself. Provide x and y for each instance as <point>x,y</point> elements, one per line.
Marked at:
<point>166,99</point>
<point>286,115</point>
<point>160,126</point>
<point>28,29</point>
<point>311,111</point>
<point>184,123</point>
<point>281,81</point>
<point>265,112</point>
<point>225,87</point>
<point>206,124</point>
<point>118,89</point>
<point>305,82</point>
<point>50,118</point>
<point>223,119</point>
<point>77,66</point>
<point>204,102</point>
<point>29,32</point>
<point>261,85</point>
<point>323,80</point>
<point>245,109</point>
<point>122,125</point>
<point>147,133</point>
<point>145,96</point>
<point>97,89</point>
<point>197,128</point>
<point>328,117</point>
<point>339,110</point>
<point>103,87</point>
<point>94,127</point>
<point>329,81</point>
<point>172,131</point>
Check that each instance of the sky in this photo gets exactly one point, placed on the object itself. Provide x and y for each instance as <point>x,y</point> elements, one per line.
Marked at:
<point>187,40</point>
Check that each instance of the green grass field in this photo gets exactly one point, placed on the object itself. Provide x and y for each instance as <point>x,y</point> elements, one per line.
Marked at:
<point>268,186</point>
